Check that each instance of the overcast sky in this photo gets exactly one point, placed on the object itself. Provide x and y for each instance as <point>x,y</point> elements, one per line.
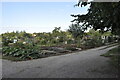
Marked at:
<point>38,16</point>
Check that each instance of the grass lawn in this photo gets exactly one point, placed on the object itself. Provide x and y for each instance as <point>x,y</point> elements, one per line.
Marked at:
<point>114,56</point>
<point>114,44</point>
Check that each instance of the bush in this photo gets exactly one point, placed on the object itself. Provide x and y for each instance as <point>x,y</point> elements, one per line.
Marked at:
<point>89,43</point>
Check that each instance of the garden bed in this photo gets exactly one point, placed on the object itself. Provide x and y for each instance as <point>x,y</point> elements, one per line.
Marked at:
<point>22,52</point>
<point>29,52</point>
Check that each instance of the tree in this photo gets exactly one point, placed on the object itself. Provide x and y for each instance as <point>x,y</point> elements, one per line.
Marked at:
<point>56,31</point>
<point>101,15</point>
<point>76,30</point>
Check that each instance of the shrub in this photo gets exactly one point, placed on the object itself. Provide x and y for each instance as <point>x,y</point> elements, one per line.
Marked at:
<point>89,43</point>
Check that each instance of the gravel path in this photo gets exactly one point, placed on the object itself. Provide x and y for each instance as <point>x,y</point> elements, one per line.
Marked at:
<point>84,64</point>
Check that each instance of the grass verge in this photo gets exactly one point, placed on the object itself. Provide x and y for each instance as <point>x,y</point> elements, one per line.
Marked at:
<point>110,45</point>
<point>114,56</point>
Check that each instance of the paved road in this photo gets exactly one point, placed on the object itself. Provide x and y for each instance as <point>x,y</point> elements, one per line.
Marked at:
<point>84,64</point>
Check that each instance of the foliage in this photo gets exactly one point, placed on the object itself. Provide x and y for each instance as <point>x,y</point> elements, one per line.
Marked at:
<point>26,46</point>
<point>90,40</point>
<point>23,51</point>
<point>10,37</point>
<point>102,15</point>
<point>76,30</point>
<point>91,43</point>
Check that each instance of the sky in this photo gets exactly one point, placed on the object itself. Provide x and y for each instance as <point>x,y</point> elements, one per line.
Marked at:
<point>38,16</point>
